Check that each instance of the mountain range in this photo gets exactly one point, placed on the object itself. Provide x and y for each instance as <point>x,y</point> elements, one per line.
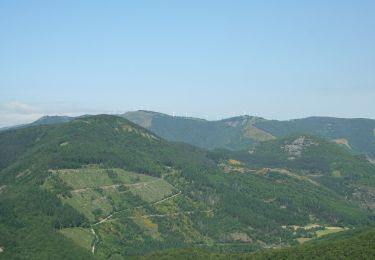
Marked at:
<point>156,186</point>
<point>243,132</point>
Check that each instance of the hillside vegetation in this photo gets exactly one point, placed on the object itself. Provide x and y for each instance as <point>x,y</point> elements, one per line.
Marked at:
<point>353,245</point>
<point>245,131</point>
<point>103,187</point>
<point>242,132</point>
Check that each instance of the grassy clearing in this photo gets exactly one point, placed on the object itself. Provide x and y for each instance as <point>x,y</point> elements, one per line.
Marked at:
<point>98,192</point>
<point>81,236</point>
<point>88,201</point>
<point>329,230</point>
<point>253,132</point>
<point>316,233</point>
<point>336,174</point>
<point>84,178</point>
<point>302,240</point>
<point>320,233</point>
<point>97,177</point>
<point>153,191</point>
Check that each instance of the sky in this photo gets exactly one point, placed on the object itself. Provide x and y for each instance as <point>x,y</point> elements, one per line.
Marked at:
<point>209,59</point>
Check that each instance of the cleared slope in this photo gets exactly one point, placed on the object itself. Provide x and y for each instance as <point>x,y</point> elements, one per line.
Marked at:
<point>245,131</point>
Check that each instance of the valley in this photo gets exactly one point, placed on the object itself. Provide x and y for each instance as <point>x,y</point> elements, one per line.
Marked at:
<point>111,189</point>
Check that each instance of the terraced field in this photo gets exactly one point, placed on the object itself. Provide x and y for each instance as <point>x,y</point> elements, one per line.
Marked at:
<point>98,192</point>
<point>124,206</point>
<point>82,236</point>
<point>114,201</point>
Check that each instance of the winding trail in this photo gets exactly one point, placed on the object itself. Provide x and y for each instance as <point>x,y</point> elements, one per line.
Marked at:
<point>168,198</point>
<point>113,186</point>
<point>109,217</point>
<point>95,241</point>
<point>171,214</point>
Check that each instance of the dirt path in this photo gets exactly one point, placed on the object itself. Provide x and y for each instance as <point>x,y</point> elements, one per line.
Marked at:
<point>171,214</point>
<point>136,185</point>
<point>168,198</point>
<point>109,217</point>
<point>95,241</point>
<point>104,219</point>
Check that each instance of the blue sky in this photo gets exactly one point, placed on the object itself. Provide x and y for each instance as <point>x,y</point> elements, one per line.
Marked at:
<point>211,59</point>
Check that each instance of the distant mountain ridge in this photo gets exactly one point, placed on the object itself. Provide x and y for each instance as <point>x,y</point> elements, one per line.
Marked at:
<point>243,132</point>
<point>49,120</point>
<point>44,120</point>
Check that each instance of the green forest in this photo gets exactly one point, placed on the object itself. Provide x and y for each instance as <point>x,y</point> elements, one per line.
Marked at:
<point>103,187</point>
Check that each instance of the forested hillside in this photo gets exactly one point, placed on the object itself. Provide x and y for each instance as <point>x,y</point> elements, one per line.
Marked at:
<point>242,132</point>
<point>357,135</point>
<point>351,245</point>
<point>103,187</point>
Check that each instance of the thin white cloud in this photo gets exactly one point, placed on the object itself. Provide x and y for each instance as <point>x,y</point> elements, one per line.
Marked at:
<point>16,113</point>
<point>19,108</point>
<point>17,119</point>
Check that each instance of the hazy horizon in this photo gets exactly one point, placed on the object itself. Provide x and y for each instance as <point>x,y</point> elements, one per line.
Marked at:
<point>211,59</point>
<point>218,118</point>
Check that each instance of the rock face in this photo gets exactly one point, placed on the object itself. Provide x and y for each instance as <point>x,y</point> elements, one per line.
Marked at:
<point>296,148</point>
<point>240,236</point>
<point>344,142</point>
<point>371,160</point>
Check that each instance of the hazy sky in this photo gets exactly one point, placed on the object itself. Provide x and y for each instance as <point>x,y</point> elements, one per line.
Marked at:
<point>275,59</point>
